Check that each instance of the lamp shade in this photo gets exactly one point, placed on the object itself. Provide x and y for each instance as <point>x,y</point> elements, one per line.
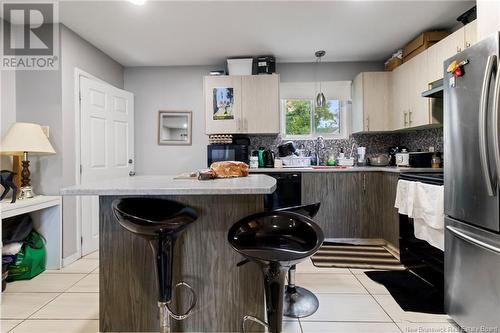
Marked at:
<point>25,137</point>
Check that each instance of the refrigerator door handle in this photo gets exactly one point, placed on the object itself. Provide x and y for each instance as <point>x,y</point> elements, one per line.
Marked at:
<point>496,125</point>
<point>472,240</point>
<point>483,120</point>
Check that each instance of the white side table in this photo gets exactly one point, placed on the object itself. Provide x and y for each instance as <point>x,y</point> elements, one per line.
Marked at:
<point>46,212</point>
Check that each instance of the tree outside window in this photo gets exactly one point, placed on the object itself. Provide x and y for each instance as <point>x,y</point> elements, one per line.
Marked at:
<point>303,119</point>
<point>298,117</point>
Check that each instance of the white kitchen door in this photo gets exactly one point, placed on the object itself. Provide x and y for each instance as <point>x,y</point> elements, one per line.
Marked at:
<point>106,147</point>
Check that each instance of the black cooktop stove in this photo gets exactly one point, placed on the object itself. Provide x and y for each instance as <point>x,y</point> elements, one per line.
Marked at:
<point>435,178</point>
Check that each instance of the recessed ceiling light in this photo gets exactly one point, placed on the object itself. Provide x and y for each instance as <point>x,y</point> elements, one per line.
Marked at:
<point>137,2</point>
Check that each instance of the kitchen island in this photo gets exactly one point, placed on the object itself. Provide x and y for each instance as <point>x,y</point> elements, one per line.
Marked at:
<point>203,257</point>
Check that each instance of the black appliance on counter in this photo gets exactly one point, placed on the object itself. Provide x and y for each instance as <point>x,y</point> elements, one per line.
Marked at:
<point>288,191</point>
<point>268,157</point>
<point>420,257</point>
<point>227,152</point>
<point>421,159</point>
<point>286,149</point>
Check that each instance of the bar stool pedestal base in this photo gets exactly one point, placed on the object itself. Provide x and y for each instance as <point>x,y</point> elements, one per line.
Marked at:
<point>299,302</point>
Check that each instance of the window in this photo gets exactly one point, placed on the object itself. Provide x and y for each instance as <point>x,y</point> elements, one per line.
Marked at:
<point>302,119</point>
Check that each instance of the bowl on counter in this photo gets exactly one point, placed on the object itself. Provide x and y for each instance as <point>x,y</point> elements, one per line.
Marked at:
<point>379,160</point>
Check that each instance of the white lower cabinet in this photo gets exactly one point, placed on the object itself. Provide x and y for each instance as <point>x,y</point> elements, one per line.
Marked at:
<point>246,104</point>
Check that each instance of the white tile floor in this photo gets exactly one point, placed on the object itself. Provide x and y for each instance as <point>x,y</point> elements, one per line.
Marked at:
<point>67,301</point>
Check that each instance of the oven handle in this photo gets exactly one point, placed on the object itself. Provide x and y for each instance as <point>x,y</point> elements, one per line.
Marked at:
<point>472,240</point>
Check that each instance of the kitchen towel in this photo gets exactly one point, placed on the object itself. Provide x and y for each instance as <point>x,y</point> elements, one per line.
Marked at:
<point>404,197</point>
<point>434,237</point>
<point>424,203</point>
<point>428,204</point>
<point>428,214</point>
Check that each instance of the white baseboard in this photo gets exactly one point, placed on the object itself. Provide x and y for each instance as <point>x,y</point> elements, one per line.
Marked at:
<point>71,259</point>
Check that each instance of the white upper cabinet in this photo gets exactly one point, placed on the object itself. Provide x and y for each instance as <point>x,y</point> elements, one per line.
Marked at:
<point>399,97</point>
<point>441,51</point>
<point>393,100</point>
<point>242,104</point>
<point>488,18</point>
<point>371,102</point>
<point>223,104</point>
<point>470,32</point>
<point>418,113</point>
<point>260,104</point>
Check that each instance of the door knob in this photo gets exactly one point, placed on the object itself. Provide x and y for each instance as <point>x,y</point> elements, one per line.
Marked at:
<point>131,173</point>
<point>130,161</point>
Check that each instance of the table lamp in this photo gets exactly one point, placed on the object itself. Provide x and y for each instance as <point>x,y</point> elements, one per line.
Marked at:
<point>21,139</point>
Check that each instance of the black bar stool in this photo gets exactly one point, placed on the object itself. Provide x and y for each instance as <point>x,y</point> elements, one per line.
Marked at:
<point>276,241</point>
<point>159,221</point>
<point>299,302</point>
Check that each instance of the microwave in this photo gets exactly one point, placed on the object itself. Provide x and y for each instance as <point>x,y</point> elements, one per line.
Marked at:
<point>227,152</point>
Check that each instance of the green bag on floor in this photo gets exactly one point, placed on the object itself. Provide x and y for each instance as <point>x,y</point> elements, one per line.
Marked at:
<point>31,260</point>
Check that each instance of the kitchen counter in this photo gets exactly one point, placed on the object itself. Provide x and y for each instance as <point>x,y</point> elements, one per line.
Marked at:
<point>167,185</point>
<point>348,169</point>
<point>203,257</point>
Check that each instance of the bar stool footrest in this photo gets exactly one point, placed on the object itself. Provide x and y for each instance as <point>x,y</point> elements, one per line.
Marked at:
<point>186,314</point>
<point>253,319</point>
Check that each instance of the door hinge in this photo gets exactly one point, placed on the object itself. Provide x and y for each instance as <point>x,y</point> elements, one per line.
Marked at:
<point>364,182</point>
<point>81,169</point>
<point>81,240</point>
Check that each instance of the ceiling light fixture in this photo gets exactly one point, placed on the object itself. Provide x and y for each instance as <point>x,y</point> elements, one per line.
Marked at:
<point>137,2</point>
<point>320,98</point>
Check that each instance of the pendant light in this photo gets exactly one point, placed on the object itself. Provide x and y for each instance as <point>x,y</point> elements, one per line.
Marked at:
<point>320,98</point>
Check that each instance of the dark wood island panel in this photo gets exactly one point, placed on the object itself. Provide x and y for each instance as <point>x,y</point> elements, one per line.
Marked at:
<point>203,258</point>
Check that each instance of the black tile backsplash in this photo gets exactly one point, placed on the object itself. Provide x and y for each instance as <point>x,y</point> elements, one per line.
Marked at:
<point>378,143</point>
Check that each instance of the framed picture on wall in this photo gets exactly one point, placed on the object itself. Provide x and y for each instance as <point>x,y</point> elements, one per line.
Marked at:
<point>174,127</point>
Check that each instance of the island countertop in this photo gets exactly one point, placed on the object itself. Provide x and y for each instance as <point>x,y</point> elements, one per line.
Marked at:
<point>167,185</point>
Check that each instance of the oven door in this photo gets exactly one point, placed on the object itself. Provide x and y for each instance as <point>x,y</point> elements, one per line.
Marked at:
<point>472,276</point>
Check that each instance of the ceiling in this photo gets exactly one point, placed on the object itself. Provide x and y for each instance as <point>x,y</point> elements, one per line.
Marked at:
<point>167,33</point>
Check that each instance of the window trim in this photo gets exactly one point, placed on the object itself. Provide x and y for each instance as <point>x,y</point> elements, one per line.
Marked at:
<point>344,128</point>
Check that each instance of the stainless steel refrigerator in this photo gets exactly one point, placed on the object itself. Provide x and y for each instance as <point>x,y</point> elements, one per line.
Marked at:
<point>472,172</point>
